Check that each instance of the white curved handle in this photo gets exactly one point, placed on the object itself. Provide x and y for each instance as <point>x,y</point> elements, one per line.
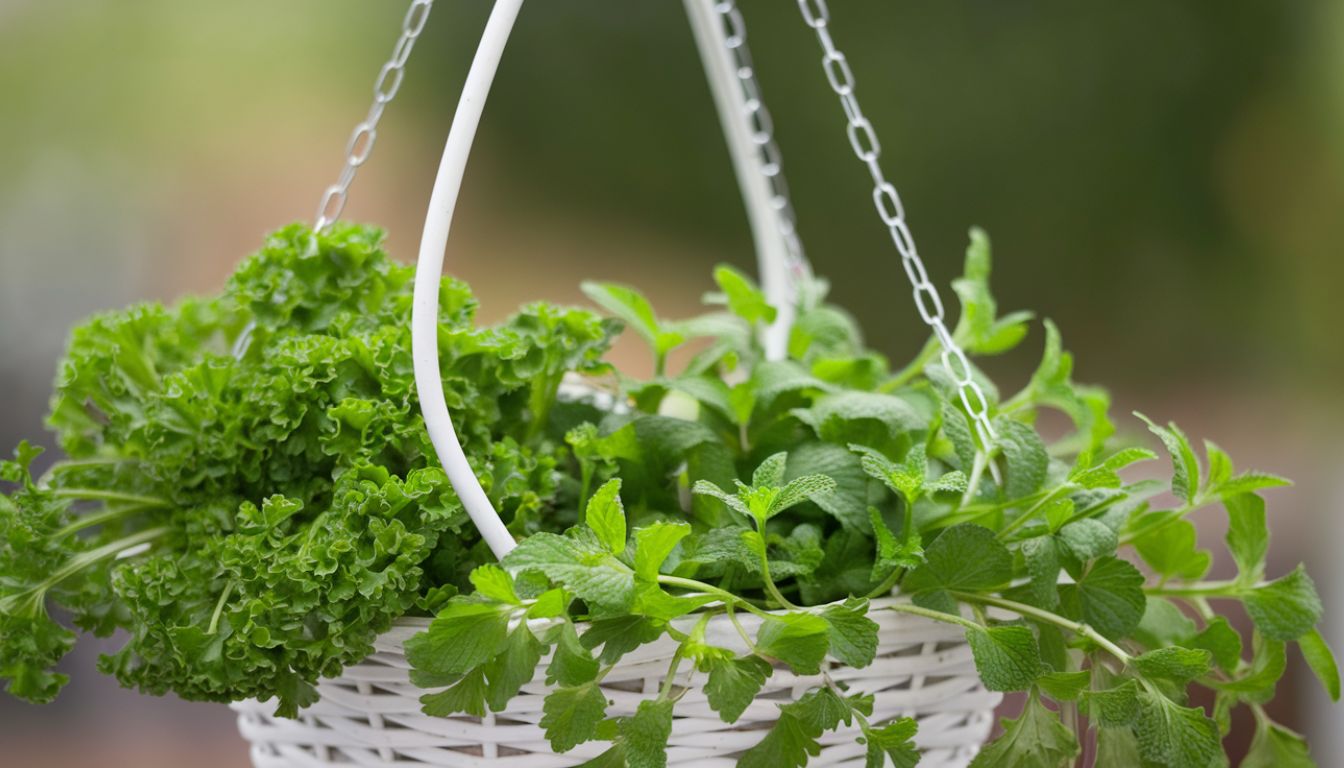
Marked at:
<point>429,272</point>
<point>771,253</point>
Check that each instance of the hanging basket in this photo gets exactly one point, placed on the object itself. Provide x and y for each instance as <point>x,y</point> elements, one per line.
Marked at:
<point>371,716</point>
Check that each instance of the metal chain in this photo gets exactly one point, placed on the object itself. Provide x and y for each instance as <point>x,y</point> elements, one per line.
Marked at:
<point>385,89</point>
<point>762,128</point>
<point>863,139</point>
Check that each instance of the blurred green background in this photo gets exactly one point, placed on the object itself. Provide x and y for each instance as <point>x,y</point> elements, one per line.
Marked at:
<point>1165,180</point>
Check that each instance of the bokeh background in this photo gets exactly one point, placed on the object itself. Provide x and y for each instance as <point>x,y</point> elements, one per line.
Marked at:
<point>1165,180</point>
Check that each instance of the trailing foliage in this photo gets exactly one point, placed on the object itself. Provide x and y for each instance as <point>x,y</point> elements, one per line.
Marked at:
<point>292,508</point>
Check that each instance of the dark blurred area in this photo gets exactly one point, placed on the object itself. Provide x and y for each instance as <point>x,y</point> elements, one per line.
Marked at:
<point>1164,180</point>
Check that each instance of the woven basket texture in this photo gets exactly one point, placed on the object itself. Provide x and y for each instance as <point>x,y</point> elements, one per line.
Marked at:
<point>370,715</point>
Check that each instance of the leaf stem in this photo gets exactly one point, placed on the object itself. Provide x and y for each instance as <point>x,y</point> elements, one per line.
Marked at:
<point>1022,609</point>
<point>98,518</point>
<point>97,494</point>
<point>708,589</point>
<point>1201,589</point>
<point>1164,520</point>
<point>81,561</point>
<point>219,607</point>
<point>928,613</point>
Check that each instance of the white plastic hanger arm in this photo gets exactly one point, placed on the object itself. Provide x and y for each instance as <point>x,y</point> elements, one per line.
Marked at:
<point>429,272</point>
<point>771,251</point>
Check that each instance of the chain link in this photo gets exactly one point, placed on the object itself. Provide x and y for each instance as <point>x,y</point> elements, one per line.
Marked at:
<point>762,128</point>
<point>362,139</point>
<point>863,140</point>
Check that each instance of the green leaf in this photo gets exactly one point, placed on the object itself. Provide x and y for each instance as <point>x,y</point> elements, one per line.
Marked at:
<point>964,557</point>
<point>1005,656</point>
<point>733,684</point>
<point>1286,608</point>
<point>495,583</point>
<point>1321,661</point>
<point>570,715</point>
<point>572,663</point>
<point>893,553</point>
<point>794,736</point>
<point>1174,736</point>
<point>1221,640</point>
<point>467,696</point>
<point>1116,748</point>
<point>797,491</point>
<point>619,635</point>
<point>631,307</point>
<point>1115,706</point>
<point>1025,456</point>
<point>1277,747</point>
<point>1177,664</point>
<point>644,735</point>
<point>744,299</point>
<point>1185,466</point>
<point>462,637</point>
<point>1042,558</point>
<point>1163,624</point>
<point>513,668</point>
<point>606,516</point>
<point>893,741</point>
<point>853,636</point>
<point>1173,553</point>
<point>799,640</point>
<point>770,473</point>
<point>1108,597</point>
<point>653,543</point>
<point>1088,539</point>
<point>1064,686</point>
<point>1268,663</point>
<point>1247,534</point>
<point>579,562</point>
<point>1036,739</point>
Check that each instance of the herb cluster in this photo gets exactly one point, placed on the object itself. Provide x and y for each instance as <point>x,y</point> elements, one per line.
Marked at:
<point>250,495</point>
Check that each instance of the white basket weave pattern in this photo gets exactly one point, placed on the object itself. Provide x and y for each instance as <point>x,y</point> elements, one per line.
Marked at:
<point>370,715</point>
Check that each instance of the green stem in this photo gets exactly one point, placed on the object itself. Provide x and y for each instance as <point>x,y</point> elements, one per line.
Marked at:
<point>1022,609</point>
<point>1171,517</point>
<point>1023,518</point>
<point>947,618</point>
<point>95,494</point>
<point>727,597</point>
<point>98,518</point>
<point>912,369</point>
<point>1201,589</point>
<point>83,560</point>
<point>74,464</point>
<point>888,584</point>
<point>219,608</point>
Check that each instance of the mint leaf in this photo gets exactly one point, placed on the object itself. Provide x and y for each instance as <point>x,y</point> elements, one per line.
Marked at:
<point>1064,686</point>
<point>799,490</point>
<point>462,637</point>
<point>570,715</point>
<point>1175,736</point>
<point>1115,706</point>
<point>1108,597</point>
<point>794,736</point>
<point>770,473</point>
<point>1172,551</point>
<point>467,696</point>
<point>893,741</point>
<point>1277,747</point>
<point>1036,739</point>
<point>579,562</point>
<point>733,683</point>
<point>495,583</point>
<point>1321,661</point>
<point>653,543</point>
<point>799,640</point>
<point>1221,641</point>
<point>853,636</point>
<point>606,516</point>
<point>1006,657</point>
<point>619,635</point>
<point>1088,539</point>
<point>1286,608</point>
<point>1247,534</point>
<point>1025,456</point>
<point>1042,559</point>
<point>1116,748</point>
<point>964,557</point>
<point>744,299</point>
<point>644,735</point>
<point>1185,466</point>
<point>893,553</point>
<point>513,668</point>
<point>631,307</point>
<point>572,663</point>
<point>1178,664</point>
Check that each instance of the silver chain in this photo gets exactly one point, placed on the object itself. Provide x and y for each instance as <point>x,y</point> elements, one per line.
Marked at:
<point>863,139</point>
<point>385,89</point>
<point>762,128</point>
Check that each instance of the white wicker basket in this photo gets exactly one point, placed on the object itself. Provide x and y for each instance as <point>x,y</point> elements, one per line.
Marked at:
<point>371,716</point>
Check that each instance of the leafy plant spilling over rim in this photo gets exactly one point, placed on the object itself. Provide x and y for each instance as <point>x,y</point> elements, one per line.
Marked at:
<point>251,497</point>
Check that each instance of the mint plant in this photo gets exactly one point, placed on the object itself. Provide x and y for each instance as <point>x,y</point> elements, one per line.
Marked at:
<point>248,493</point>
